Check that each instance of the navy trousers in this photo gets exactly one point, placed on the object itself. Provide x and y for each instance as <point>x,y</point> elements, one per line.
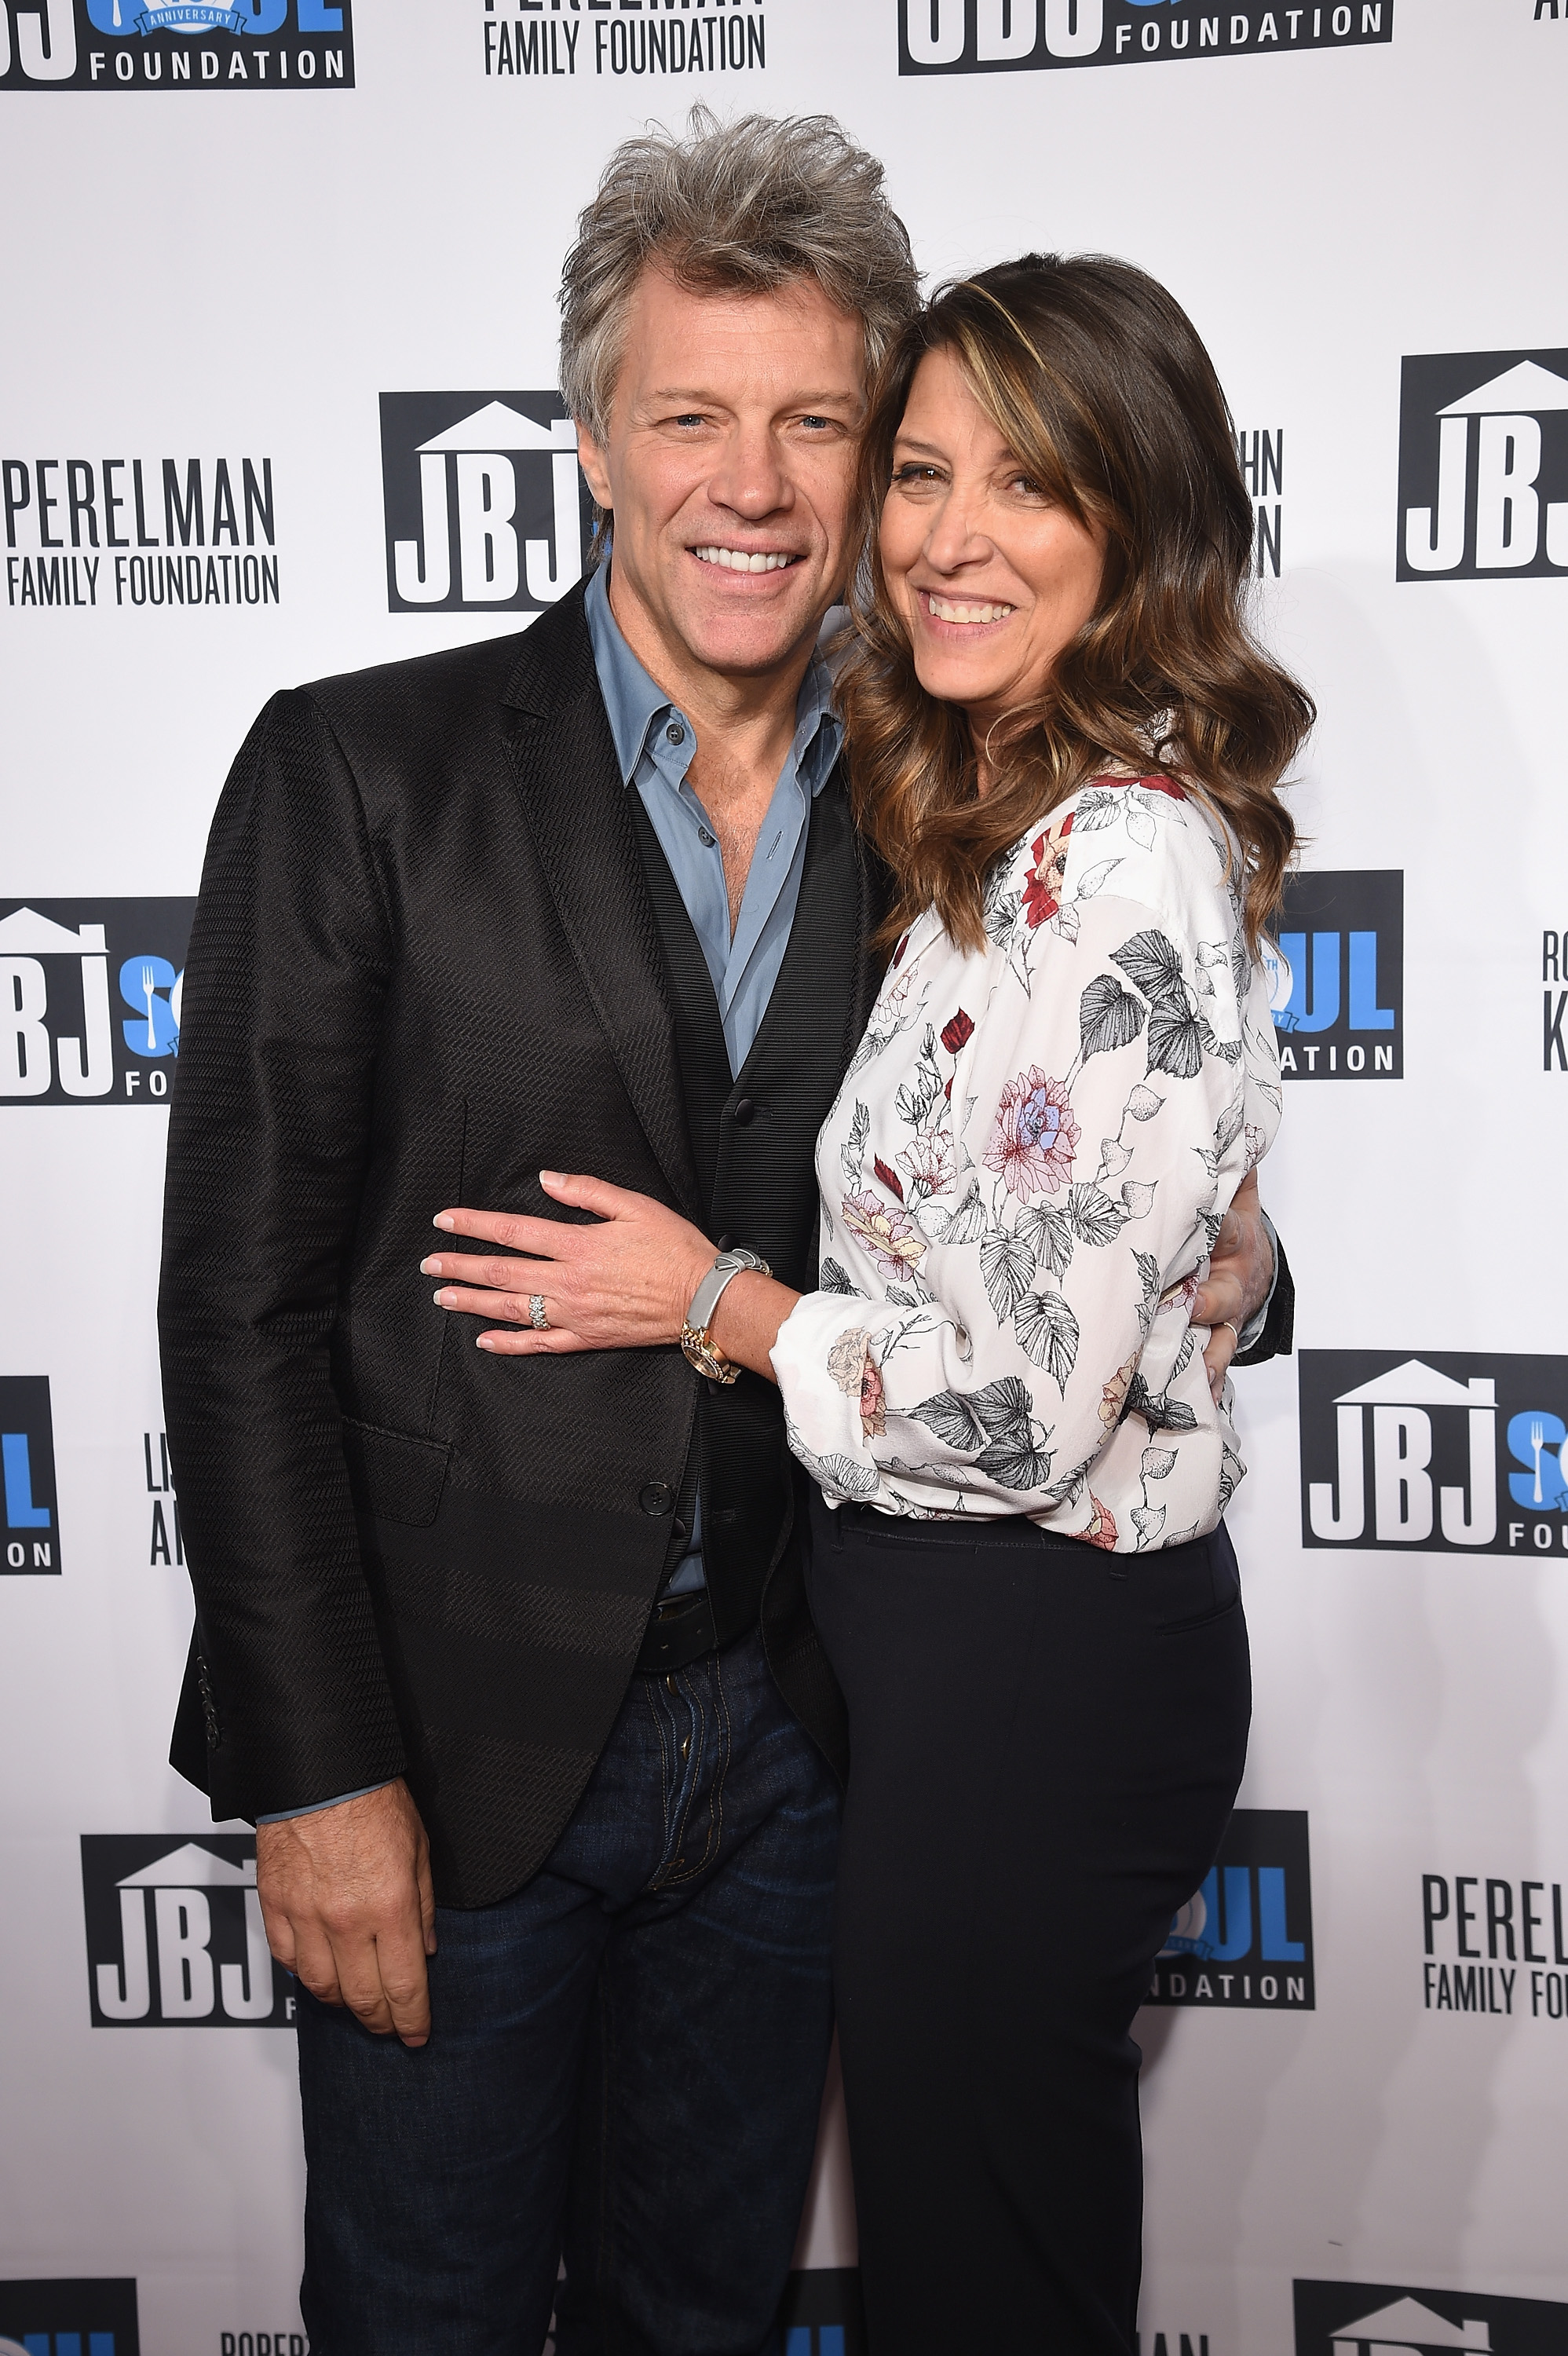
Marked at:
<point>625,2068</point>
<point>1046,1742</point>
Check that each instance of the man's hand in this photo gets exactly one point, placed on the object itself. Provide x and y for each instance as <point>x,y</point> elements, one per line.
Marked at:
<point>349,1906</point>
<point>1241,1271</point>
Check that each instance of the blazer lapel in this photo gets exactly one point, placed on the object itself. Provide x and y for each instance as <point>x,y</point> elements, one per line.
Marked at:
<point>577,810</point>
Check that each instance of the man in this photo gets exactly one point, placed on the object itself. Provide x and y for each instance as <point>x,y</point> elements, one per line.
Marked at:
<point>529,1638</point>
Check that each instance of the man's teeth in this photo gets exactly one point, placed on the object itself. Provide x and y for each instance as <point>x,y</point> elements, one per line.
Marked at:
<point>737,560</point>
<point>945,611</point>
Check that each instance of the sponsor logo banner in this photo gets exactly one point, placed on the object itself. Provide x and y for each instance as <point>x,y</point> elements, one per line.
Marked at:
<point>1451,1451</point>
<point>542,48</point>
<point>1494,1945</point>
<point>90,999</point>
<point>170,533</point>
<point>1020,35</point>
<point>166,1541</point>
<point>1391,2319</point>
<point>1337,975</point>
<point>263,2343</point>
<point>486,511</point>
<point>28,1475</point>
<point>1262,454</point>
<point>93,2317</point>
<point>1483,466</point>
<point>1243,1941</point>
<point>822,2314</point>
<point>177,45</point>
<point>1554,1006</point>
<point>174,1934</point>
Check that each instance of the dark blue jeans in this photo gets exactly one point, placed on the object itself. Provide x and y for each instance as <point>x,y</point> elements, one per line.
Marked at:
<point>624,2067</point>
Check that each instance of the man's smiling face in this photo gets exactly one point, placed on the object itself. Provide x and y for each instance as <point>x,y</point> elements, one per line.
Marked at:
<point>728,462</point>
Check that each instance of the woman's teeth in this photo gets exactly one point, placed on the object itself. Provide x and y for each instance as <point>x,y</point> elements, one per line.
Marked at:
<point>945,611</point>
<point>736,560</point>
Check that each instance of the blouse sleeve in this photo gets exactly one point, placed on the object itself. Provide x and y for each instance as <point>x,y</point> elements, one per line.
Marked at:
<point>1032,1354</point>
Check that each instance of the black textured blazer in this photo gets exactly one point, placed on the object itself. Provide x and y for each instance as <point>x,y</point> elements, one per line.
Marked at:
<point>425,964</point>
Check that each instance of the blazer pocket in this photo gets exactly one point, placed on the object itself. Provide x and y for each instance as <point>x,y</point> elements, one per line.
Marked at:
<point>396,1475</point>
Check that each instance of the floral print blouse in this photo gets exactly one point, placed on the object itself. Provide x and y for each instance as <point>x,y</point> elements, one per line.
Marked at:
<point>1022,1181</point>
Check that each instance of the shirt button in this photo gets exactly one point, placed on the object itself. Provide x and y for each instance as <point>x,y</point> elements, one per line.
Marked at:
<point>675,733</point>
<point>658,1497</point>
<point>744,1112</point>
<point>705,839</point>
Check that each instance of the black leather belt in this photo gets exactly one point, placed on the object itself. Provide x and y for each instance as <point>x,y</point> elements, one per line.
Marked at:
<point>681,1628</point>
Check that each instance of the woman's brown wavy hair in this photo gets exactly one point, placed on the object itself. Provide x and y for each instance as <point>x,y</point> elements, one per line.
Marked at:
<point>1097,380</point>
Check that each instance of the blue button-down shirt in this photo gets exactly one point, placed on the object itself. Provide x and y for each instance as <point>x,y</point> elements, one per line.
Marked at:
<point>655,743</point>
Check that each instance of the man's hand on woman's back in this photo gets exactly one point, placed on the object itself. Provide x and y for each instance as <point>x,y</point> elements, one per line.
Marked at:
<point>1241,1273</point>
<point>349,1906</point>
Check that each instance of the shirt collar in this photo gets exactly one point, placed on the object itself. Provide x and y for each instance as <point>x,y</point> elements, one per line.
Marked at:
<point>635,703</point>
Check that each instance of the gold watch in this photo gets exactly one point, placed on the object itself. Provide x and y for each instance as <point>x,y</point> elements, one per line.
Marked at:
<point>694,1338</point>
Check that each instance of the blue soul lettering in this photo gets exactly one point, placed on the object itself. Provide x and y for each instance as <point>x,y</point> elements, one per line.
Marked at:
<point>1531,1437</point>
<point>259,16</point>
<point>1314,1004</point>
<point>21,1514</point>
<point>1227,1933</point>
<point>1276,1947</point>
<point>1228,1945</point>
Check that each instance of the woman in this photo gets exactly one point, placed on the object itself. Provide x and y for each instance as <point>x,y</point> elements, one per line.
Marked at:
<point>1067,749</point>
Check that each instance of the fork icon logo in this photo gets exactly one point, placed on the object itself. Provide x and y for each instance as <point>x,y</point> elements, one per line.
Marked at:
<point>152,986</point>
<point>1535,1438</point>
<point>1450,1452</point>
<point>90,999</point>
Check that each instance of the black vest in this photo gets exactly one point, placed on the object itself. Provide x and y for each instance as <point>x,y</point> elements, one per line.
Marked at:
<point>754,1140</point>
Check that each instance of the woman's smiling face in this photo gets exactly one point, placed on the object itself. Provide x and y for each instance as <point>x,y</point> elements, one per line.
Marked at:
<point>992,576</point>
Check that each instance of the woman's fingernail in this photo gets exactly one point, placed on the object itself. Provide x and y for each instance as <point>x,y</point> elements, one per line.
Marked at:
<point>444,1219</point>
<point>551,1178</point>
<point>484,1342</point>
<point>442,1299</point>
<point>430,1268</point>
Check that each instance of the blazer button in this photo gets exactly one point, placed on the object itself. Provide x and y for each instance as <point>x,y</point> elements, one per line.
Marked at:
<point>658,1497</point>
<point>744,1112</point>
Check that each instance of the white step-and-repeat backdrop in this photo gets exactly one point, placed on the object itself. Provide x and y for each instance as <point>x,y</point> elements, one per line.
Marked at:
<point>279,323</point>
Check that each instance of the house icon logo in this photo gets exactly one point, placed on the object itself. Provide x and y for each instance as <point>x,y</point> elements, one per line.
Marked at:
<point>1451,1452</point>
<point>1395,2319</point>
<point>1408,2324</point>
<point>174,1934</point>
<point>91,996</point>
<point>485,510</point>
<point>1483,466</point>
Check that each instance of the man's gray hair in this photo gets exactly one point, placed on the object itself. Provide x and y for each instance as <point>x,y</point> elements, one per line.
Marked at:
<point>738,207</point>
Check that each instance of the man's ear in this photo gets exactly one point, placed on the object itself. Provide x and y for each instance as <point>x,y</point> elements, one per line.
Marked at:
<point>595,473</point>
